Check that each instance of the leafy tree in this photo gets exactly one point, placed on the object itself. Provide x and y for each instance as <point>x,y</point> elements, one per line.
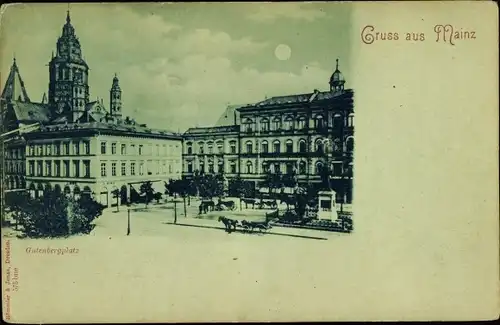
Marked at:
<point>55,215</point>
<point>210,186</point>
<point>157,196</point>
<point>272,181</point>
<point>81,214</point>
<point>147,191</point>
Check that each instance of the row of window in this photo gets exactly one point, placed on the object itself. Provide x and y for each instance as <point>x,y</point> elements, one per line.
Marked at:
<point>140,168</point>
<point>290,123</point>
<point>60,148</point>
<point>276,146</point>
<point>17,153</point>
<point>210,147</point>
<point>65,168</point>
<point>336,168</point>
<point>14,168</point>
<point>211,167</point>
<point>137,150</point>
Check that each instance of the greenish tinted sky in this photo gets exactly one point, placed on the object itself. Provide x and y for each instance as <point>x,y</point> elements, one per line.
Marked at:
<point>180,64</point>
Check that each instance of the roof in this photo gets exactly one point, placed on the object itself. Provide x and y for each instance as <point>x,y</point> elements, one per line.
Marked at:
<point>227,118</point>
<point>34,112</point>
<point>112,128</point>
<point>213,129</point>
<point>14,86</point>
<point>297,99</point>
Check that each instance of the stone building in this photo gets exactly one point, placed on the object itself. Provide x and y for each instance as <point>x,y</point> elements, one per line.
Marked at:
<point>299,135</point>
<point>81,146</point>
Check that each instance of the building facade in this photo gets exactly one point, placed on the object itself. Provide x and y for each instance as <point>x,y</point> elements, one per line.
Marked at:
<point>304,135</point>
<point>81,146</point>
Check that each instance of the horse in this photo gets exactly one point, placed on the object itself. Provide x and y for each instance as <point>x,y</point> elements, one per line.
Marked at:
<point>249,201</point>
<point>228,204</point>
<point>208,205</point>
<point>228,223</point>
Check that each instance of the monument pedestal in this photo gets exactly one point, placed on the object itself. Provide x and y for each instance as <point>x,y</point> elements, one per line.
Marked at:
<point>327,209</point>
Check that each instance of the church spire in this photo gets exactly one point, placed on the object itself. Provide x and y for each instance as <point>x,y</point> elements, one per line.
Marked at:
<point>115,98</point>
<point>14,86</point>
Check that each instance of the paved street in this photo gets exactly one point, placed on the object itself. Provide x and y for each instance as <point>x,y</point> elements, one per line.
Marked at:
<point>158,220</point>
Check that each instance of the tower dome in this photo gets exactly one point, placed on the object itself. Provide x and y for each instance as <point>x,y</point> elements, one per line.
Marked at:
<point>337,79</point>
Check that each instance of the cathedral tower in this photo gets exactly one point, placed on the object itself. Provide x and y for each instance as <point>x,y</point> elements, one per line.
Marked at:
<point>115,98</point>
<point>68,76</point>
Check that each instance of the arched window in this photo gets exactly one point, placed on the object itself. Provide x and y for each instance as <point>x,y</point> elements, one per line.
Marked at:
<point>211,167</point>
<point>264,147</point>
<point>265,167</point>
<point>301,123</point>
<point>202,167</point>
<point>76,191</point>
<point>319,121</point>
<point>210,148</point>
<point>337,145</point>
<point>232,147</point>
<point>319,146</point>
<point>277,123</point>
<point>220,166</point>
<point>248,125</point>
<point>232,166</point>
<point>88,191</point>
<point>264,124</point>
<point>289,123</point>
<point>57,188</point>
<point>337,121</point>
<point>201,147</point>
<point>350,120</point>
<point>249,146</point>
<point>189,148</point>
<point>289,168</point>
<point>302,146</point>
<point>350,144</point>
<point>289,146</point>
<point>249,167</point>
<point>190,167</point>
<point>319,168</point>
<point>220,146</point>
<point>276,146</point>
<point>302,167</point>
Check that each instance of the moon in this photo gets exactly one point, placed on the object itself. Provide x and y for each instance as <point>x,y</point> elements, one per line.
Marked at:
<point>283,52</point>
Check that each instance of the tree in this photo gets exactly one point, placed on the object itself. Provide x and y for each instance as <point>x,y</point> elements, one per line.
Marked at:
<point>210,186</point>
<point>116,194</point>
<point>15,200</point>
<point>147,191</point>
<point>55,215</point>
<point>81,214</point>
<point>273,181</point>
<point>157,196</point>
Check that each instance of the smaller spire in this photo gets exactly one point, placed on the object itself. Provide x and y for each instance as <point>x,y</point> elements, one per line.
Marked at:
<point>337,64</point>
<point>14,64</point>
<point>68,18</point>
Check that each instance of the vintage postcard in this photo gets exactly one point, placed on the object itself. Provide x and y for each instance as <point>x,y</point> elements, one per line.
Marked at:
<point>210,162</point>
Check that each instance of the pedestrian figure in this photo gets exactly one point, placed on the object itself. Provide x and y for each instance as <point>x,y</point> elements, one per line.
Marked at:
<point>200,208</point>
